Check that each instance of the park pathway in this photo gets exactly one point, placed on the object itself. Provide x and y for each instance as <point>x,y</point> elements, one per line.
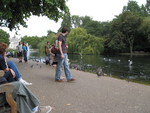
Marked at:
<point>88,94</point>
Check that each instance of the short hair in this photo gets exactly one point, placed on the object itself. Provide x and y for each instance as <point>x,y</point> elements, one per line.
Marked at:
<point>3,47</point>
<point>64,30</point>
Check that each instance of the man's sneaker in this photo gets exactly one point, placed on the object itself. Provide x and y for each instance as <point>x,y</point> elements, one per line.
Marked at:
<point>44,109</point>
<point>25,82</point>
<point>71,80</point>
<point>61,80</point>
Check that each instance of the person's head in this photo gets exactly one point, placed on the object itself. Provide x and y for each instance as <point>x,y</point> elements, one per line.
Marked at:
<point>48,42</point>
<point>53,45</point>
<point>20,43</point>
<point>65,30</point>
<point>24,44</point>
<point>3,47</point>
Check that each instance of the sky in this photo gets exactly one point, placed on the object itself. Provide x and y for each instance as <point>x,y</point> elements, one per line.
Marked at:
<point>100,10</point>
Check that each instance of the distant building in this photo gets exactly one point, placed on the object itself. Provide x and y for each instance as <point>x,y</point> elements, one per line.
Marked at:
<point>14,42</point>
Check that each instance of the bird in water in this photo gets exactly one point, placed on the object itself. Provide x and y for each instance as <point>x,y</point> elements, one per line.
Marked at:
<point>130,62</point>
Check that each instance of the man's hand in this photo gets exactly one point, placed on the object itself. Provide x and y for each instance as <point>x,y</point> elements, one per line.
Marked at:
<point>62,56</point>
<point>13,73</point>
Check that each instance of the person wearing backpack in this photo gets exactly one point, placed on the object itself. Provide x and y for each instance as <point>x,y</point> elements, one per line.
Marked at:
<point>54,50</point>
<point>47,53</point>
<point>62,58</point>
<point>53,55</point>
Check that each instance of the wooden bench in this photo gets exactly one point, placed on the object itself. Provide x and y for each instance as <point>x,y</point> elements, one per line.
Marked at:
<point>8,89</point>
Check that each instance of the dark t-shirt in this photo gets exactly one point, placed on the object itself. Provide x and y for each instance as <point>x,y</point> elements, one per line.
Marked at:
<point>63,40</point>
<point>2,63</point>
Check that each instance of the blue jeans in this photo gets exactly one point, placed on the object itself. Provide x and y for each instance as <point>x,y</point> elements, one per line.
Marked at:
<point>13,66</point>
<point>63,62</point>
<point>25,56</point>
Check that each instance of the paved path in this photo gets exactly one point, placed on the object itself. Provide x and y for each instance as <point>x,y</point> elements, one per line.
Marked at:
<point>89,94</point>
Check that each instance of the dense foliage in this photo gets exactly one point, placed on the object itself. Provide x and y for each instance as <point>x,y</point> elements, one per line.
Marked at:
<point>39,42</point>
<point>80,41</point>
<point>4,36</point>
<point>127,32</point>
<point>31,40</point>
<point>13,13</point>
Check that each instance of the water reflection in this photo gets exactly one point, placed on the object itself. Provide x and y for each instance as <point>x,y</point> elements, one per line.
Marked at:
<point>121,66</point>
<point>137,68</point>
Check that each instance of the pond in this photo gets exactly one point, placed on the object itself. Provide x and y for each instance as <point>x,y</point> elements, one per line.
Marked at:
<point>120,66</point>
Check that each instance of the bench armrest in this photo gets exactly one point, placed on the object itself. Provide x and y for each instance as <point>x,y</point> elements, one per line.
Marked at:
<point>8,89</point>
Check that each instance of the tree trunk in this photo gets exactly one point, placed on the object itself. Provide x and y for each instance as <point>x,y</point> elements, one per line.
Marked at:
<point>131,50</point>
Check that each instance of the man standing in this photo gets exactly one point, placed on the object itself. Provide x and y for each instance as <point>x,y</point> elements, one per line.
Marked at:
<point>19,49</point>
<point>63,58</point>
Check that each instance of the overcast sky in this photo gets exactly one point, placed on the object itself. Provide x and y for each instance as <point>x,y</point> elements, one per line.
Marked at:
<point>100,10</point>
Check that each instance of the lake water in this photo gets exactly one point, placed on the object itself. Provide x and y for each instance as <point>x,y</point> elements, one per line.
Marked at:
<point>121,65</point>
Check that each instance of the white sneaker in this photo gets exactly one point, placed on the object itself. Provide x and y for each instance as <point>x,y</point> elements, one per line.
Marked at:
<point>44,109</point>
<point>25,82</point>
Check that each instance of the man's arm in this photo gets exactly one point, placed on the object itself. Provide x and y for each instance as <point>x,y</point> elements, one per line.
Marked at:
<point>60,49</point>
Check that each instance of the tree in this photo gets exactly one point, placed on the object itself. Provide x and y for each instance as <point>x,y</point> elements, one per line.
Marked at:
<point>76,21</point>
<point>33,41</point>
<point>51,38</point>
<point>13,13</point>
<point>4,36</point>
<point>93,27</point>
<point>89,44</point>
<point>144,38</point>
<point>134,7</point>
<point>148,6</point>
<point>66,21</point>
<point>127,24</point>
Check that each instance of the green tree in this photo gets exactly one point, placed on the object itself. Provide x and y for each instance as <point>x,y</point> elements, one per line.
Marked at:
<point>148,6</point>
<point>89,44</point>
<point>134,7</point>
<point>50,38</point>
<point>129,27</point>
<point>93,27</point>
<point>76,21</point>
<point>4,36</point>
<point>33,41</point>
<point>66,21</point>
<point>126,29</point>
<point>144,38</point>
<point>13,13</point>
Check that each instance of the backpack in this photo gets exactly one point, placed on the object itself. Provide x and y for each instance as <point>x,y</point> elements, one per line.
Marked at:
<point>54,50</point>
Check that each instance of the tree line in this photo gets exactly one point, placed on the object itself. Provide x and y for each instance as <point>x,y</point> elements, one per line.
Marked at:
<point>127,32</point>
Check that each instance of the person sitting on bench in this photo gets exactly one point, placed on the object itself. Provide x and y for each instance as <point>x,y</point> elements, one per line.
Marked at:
<point>10,67</point>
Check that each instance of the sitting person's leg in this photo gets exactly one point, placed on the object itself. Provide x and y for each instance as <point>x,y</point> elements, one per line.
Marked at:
<point>26,101</point>
<point>24,98</point>
<point>14,67</point>
<point>8,76</point>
